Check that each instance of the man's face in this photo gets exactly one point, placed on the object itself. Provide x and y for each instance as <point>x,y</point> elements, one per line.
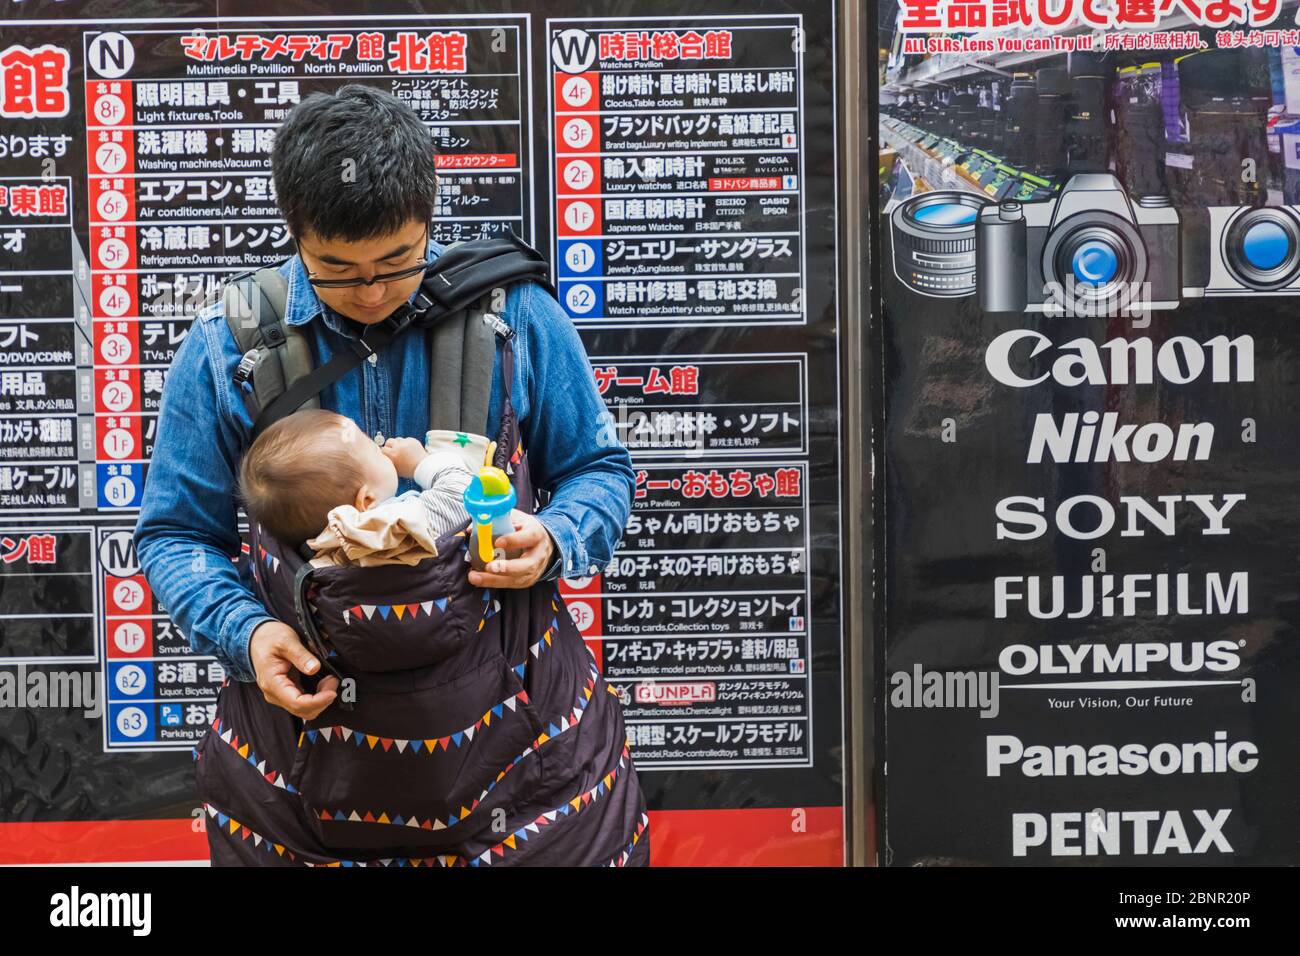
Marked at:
<point>339,259</point>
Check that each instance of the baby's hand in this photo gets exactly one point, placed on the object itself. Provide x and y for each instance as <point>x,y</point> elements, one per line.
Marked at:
<point>405,454</point>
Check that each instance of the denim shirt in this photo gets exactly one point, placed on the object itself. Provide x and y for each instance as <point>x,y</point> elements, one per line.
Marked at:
<point>186,535</point>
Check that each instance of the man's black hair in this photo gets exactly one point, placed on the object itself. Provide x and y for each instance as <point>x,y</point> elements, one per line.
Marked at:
<point>355,165</point>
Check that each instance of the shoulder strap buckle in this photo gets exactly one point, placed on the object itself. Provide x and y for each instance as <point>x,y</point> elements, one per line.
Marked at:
<point>498,325</point>
<point>244,371</point>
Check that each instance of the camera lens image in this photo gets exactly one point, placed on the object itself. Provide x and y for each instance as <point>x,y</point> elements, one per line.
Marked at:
<point>1096,258</point>
<point>1053,86</point>
<point>1017,134</point>
<point>945,214</point>
<point>1261,247</point>
<point>1140,129</point>
<point>934,242</point>
<point>1095,262</point>
<point>1224,98</point>
<point>1085,125</point>
<point>1266,245</point>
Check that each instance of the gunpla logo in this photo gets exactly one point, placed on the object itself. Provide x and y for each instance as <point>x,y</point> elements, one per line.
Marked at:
<point>946,689</point>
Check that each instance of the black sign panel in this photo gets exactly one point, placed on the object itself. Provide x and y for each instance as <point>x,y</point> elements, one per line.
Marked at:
<point>1091,514</point>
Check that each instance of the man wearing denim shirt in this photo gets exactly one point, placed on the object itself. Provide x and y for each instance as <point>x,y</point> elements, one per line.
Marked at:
<point>355,183</point>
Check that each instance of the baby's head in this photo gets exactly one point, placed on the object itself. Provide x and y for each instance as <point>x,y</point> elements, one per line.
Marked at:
<point>307,464</point>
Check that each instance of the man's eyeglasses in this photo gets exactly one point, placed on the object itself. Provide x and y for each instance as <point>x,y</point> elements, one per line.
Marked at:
<point>384,277</point>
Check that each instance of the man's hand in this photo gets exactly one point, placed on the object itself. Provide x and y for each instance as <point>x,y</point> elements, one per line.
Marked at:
<point>524,571</point>
<point>405,454</point>
<point>278,655</point>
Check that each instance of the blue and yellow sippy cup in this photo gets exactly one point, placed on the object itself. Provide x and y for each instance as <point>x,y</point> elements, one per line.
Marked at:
<point>489,500</point>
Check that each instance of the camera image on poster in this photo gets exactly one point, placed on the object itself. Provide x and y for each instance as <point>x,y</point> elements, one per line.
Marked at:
<point>1084,251</point>
<point>934,242</point>
<point>1198,148</point>
<point>1248,249</point>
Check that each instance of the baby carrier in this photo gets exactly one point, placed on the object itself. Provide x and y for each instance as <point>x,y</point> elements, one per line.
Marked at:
<point>472,728</point>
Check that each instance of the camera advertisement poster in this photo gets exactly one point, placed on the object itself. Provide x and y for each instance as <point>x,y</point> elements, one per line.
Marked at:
<point>1089,267</point>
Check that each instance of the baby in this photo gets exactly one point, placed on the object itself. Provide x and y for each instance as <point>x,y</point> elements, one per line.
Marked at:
<point>315,477</point>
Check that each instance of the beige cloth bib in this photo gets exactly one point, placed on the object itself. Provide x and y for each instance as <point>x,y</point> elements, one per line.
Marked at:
<point>396,531</point>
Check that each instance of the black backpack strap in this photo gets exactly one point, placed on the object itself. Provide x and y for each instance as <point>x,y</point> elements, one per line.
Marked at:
<point>307,627</point>
<point>466,271</point>
<point>481,335</point>
<point>307,387</point>
<point>461,354</point>
<point>254,303</point>
<point>274,352</point>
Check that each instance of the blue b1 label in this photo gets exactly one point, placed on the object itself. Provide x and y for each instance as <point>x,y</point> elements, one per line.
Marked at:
<point>580,257</point>
<point>120,485</point>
